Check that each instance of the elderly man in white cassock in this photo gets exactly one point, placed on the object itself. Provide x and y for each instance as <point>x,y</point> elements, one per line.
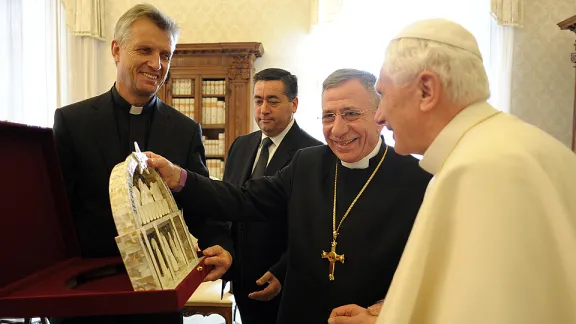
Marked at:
<point>495,238</point>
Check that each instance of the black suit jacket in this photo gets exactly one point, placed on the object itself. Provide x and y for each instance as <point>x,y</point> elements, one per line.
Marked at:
<point>89,147</point>
<point>372,237</point>
<point>259,246</point>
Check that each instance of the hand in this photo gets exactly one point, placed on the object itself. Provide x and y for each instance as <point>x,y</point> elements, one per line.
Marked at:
<point>272,290</point>
<point>169,172</point>
<point>219,259</point>
<point>374,310</point>
<point>351,314</point>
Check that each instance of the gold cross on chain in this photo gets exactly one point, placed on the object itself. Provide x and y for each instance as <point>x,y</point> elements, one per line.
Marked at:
<point>332,257</point>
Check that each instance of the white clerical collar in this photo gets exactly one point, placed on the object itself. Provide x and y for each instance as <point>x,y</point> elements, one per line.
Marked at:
<point>278,138</point>
<point>136,110</point>
<point>364,162</point>
<point>448,138</point>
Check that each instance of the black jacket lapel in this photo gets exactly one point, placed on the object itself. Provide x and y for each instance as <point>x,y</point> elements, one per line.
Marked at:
<point>249,156</point>
<point>105,130</point>
<point>159,130</point>
<point>285,151</point>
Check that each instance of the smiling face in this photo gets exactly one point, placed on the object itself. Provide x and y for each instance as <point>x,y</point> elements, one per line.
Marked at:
<point>353,140</point>
<point>142,63</point>
<point>272,108</point>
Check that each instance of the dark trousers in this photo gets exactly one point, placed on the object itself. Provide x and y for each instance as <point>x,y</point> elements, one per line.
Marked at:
<point>255,311</point>
<point>157,318</point>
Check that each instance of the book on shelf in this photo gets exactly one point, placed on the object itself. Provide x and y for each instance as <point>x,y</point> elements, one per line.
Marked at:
<point>182,87</point>
<point>215,168</point>
<point>215,147</point>
<point>213,111</point>
<point>184,105</point>
<point>210,87</point>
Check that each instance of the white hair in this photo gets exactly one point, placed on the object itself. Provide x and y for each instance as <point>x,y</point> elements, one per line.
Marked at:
<point>461,73</point>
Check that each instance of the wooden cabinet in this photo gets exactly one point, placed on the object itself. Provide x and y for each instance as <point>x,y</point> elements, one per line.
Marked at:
<point>570,24</point>
<point>212,83</point>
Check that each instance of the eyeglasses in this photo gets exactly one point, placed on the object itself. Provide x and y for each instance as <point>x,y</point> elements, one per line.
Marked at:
<point>348,116</point>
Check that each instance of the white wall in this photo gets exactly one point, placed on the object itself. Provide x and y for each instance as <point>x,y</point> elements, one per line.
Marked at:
<point>542,74</point>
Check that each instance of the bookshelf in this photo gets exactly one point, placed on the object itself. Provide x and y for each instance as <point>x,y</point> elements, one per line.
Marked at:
<point>212,84</point>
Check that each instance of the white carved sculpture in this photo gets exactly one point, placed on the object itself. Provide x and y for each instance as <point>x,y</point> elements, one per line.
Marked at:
<point>169,254</point>
<point>136,196</point>
<point>177,250</point>
<point>153,238</point>
<point>155,191</point>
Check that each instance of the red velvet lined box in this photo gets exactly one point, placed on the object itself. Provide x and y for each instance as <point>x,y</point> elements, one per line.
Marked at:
<point>41,270</point>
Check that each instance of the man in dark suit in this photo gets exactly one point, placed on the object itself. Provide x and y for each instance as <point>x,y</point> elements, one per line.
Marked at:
<point>94,135</point>
<point>259,247</point>
<point>349,206</point>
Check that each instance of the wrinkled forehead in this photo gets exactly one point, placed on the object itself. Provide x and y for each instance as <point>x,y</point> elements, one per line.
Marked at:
<point>384,80</point>
<point>145,32</point>
<point>383,74</point>
<point>345,104</point>
<point>267,88</point>
<point>351,94</point>
<point>339,105</point>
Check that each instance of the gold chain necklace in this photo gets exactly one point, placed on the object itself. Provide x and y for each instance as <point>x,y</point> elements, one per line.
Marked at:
<point>333,256</point>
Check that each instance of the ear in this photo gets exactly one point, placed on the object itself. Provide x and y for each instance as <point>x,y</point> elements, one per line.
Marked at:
<point>430,88</point>
<point>294,105</point>
<point>115,48</point>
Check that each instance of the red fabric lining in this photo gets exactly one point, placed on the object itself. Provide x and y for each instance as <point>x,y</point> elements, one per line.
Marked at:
<point>35,219</point>
<point>38,246</point>
<point>46,293</point>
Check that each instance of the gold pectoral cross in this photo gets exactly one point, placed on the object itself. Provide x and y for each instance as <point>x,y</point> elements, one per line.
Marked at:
<point>332,257</point>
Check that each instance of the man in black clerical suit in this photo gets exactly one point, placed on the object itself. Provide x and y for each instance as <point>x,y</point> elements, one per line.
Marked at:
<point>94,135</point>
<point>259,246</point>
<point>349,206</point>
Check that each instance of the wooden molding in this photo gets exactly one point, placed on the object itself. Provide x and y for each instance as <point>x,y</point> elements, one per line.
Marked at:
<point>241,67</point>
<point>247,48</point>
<point>568,24</point>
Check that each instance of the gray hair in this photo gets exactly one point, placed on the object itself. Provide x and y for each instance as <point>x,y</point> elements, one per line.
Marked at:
<point>367,79</point>
<point>461,73</point>
<point>123,30</point>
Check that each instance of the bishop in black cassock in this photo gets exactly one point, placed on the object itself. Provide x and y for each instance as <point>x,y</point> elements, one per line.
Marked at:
<point>371,238</point>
